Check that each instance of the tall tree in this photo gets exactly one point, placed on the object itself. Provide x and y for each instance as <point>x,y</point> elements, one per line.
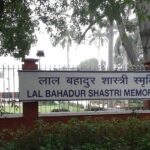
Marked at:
<point>143,13</point>
<point>98,39</point>
<point>65,41</point>
<point>85,15</point>
<point>134,38</point>
<point>16,28</point>
<point>110,47</point>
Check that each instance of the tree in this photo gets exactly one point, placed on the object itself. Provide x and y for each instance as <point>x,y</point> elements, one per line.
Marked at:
<point>110,47</point>
<point>81,16</point>
<point>16,28</point>
<point>143,13</point>
<point>134,38</point>
<point>1,7</point>
<point>65,41</point>
<point>89,64</point>
<point>84,16</point>
<point>98,39</point>
<point>120,57</point>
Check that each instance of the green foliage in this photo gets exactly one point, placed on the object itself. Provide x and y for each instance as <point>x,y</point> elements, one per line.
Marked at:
<point>16,28</point>
<point>75,20</point>
<point>98,134</point>
<point>81,16</point>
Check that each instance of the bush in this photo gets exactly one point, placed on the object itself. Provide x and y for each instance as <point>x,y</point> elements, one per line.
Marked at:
<point>131,134</point>
<point>60,110</point>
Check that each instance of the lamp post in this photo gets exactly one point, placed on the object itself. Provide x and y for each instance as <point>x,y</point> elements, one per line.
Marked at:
<point>40,53</point>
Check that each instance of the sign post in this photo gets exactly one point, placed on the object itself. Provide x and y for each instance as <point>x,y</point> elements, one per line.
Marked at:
<point>30,108</point>
<point>147,102</point>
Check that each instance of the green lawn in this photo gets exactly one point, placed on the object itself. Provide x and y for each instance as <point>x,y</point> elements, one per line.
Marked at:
<point>43,108</point>
<point>47,107</point>
<point>61,106</point>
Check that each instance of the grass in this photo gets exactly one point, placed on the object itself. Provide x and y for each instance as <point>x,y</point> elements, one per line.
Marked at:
<point>59,106</point>
<point>44,107</point>
<point>47,107</point>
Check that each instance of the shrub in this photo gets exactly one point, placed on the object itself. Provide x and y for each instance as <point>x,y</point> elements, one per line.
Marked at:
<point>60,110</point>
<point>131,134</point>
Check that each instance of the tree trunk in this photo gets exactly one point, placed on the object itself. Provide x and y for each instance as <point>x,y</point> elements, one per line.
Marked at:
<point>143,8</point>
<point>110,48</point>
<point>1,8</point>
<point>68,55</point>
<point>99,49</point>
<point>126,43</point>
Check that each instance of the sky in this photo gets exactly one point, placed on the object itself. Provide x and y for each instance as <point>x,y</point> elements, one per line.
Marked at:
<point>57,56</point>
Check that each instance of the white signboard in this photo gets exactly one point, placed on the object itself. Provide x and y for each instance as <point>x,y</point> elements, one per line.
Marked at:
<point>62,85</point>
